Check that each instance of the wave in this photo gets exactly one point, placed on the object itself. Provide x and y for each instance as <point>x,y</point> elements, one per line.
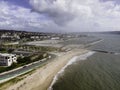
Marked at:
<point>74,59</point>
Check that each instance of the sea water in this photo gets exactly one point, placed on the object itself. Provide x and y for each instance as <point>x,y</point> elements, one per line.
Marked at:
<point>101,71</point>
<point>73,60</point>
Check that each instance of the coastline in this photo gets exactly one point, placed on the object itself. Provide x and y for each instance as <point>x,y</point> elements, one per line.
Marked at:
<point>43,77</point>
<point>70,62</point>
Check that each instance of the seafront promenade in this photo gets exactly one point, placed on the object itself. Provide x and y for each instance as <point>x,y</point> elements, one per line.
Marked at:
<point>5,76</point>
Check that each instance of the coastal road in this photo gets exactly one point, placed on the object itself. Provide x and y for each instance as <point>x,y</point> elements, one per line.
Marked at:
<point>10,75</point>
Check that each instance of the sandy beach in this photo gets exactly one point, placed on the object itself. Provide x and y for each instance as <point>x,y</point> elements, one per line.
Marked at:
<point>42,78</point>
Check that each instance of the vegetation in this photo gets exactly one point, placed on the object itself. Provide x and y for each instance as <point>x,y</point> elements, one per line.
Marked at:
<point>24,61</point>
<point>21,61</point>
<point>10,48</point>
<point>3,50</point>
<point>13,81</point>
<point>30,59</point>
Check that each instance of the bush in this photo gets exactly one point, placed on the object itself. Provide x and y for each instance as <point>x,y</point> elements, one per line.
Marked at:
<point>14,65</point>
<point>24,60</point>
<point>10,50</point>
<point>3,50</point>
<point>3,69</point>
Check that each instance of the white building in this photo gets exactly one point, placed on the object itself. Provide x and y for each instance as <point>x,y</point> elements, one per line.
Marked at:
<point>55,38</point>
<point>12,37</point>
<point>7,59</point>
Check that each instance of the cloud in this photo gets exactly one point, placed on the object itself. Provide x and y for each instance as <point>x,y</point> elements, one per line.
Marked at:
<point>19,18</point>
<point>61,11</point>
<point>61,15</point>
<point>80,15</point>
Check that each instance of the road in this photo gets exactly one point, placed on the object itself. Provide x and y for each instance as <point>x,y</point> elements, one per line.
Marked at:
<point>21,71</point>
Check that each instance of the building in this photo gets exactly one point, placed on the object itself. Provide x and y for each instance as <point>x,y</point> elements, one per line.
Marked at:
<point>11,37</point>
<point>22,53</point>
<point>7,59</point>
<point>55,38</point>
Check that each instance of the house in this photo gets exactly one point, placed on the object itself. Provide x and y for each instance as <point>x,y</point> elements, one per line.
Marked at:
<point>55,38</point>
<point>7,59</point>
<point>11,37</point>
<point>22,53</point>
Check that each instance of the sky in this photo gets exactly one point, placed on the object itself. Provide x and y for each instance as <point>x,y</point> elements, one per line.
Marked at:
<point>60,15</point>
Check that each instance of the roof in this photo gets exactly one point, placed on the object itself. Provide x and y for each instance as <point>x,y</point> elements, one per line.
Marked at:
<point>6,54</point>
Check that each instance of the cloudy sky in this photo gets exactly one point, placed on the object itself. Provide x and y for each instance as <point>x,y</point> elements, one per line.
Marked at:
<point>60,15</point>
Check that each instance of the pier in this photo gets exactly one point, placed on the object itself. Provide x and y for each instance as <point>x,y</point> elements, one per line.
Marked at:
<point>109,52</point>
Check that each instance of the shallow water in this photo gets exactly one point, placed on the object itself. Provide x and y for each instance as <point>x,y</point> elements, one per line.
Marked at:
<point>73,60</point>
<point>99,72</point>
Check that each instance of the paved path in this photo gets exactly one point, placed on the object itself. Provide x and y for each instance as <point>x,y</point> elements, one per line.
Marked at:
<point>6,76</point>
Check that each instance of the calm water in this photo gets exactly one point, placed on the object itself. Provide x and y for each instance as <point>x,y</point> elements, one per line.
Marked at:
<point>99,72</point>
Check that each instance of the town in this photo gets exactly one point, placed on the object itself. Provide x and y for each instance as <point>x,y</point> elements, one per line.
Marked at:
<point>19,48</point>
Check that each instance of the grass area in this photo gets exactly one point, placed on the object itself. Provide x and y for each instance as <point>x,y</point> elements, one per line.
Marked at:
<point>28,48</point>
<point>4,50</point>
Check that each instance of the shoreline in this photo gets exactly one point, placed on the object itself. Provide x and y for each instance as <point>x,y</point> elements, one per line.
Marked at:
<point>60,72</point>
<point>70,62</point>
<point>43,77</point>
